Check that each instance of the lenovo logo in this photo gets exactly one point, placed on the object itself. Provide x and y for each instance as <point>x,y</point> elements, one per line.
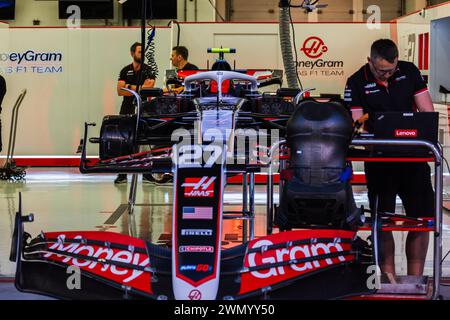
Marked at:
<point>406,133</point>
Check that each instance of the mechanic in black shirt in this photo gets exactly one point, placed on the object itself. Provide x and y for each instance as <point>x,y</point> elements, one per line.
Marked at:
<point>179,60</point>
<point>2,95</point>
<point>387,84</point>
<point>180,57</point>
<point>128,78</point>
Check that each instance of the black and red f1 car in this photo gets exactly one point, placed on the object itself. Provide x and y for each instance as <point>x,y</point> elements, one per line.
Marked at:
<point>203,136</point>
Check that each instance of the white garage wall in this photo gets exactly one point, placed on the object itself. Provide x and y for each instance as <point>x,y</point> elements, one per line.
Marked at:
<point>258,47</point>
<point>419,23</point>
<point>440,53</point>
<point>57,105</point>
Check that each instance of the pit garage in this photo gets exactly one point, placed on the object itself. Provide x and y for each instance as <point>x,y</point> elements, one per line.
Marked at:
<point>224,150</point>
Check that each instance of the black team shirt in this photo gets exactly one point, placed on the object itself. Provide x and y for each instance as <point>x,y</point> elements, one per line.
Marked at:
<point>131,77</point>
<point>365,92</point>
<point>189,66</point>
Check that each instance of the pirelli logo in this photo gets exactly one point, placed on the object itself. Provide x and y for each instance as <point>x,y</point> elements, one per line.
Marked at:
<point>406,133</point>
<point>196,232</point>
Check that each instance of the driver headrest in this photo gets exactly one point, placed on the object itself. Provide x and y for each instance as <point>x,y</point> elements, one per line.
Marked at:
<point>315,110</point>
<point>221,65</point>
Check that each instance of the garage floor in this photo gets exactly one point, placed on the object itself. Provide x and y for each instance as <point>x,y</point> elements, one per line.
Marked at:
<point>62,199</point>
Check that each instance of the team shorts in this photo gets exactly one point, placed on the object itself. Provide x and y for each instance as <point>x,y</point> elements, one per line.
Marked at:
<point>410,181</point>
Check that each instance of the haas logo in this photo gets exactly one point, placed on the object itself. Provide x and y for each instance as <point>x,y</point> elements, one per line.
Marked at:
<point>314,47</point>
<point>199,187</point>
<point>195,295</point>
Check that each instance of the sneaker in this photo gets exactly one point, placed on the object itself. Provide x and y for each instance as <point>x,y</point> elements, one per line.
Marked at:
<point>164,179</point>
<point>147,178</point>
<point>121,178</point>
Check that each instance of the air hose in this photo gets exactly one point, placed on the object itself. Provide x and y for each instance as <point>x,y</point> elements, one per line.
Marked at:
<point>286,45</point>
<point>150,51</point>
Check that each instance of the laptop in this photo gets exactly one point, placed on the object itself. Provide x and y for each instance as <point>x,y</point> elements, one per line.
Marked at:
<point>408,126</point>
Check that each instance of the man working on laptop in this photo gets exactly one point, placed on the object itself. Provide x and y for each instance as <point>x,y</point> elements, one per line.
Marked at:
<point>179,58</point>
<point>387,84</point>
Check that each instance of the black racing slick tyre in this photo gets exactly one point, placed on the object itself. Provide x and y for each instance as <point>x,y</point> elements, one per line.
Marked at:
<point>117,136</point>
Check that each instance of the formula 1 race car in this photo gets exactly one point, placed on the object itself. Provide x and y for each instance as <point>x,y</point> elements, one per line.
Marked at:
<point>219,127</point>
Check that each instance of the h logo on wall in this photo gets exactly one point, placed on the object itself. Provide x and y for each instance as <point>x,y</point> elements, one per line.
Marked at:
<point>314,47</point>
<point>314,52</point>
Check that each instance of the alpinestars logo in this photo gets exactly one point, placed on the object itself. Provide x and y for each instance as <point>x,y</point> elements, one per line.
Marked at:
<point>199,187</point>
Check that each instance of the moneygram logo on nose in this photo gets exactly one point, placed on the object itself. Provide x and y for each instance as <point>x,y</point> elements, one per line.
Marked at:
<point>314,47</point>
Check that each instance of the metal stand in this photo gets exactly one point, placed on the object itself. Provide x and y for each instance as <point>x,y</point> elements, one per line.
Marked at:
<point>131,204</point>
<point>244,206</point>
<point>9,170</point>
<point>376,228</point>
<point>438,185</point>
<point>251,211</point>
<point>247,214</point>
<point>132,194</point>
<point>269,203</point>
